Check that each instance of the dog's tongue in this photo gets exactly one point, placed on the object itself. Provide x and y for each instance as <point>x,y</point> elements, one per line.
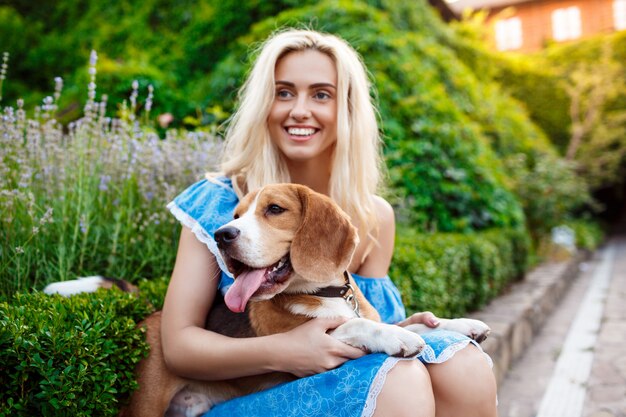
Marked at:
<point>243,288</point>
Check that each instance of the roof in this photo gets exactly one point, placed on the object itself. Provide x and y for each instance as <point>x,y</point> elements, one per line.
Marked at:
<point>457,6</point>
<point>444,9</point>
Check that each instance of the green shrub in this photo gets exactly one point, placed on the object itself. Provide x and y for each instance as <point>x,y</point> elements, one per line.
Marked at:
<point>549,189</point>
<point>73,356</point>
<point>451,274</point>
<point>589,233</point>
<point>529,151</point>
<point>152,291</point>
<point>69,356</point>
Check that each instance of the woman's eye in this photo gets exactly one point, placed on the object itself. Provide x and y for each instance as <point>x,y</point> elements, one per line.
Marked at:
<point>283,94</point>
<point>274,209</point>
<point>322,95</point>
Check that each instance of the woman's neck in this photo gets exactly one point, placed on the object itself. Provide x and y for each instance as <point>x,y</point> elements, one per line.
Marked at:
<point>313,174</point>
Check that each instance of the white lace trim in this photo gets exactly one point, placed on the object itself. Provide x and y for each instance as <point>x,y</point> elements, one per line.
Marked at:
<point>428,354</point>
<point>200,233</point>
<point>377,386</point>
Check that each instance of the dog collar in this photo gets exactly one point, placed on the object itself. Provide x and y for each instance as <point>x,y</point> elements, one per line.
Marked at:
<point>346,291</point>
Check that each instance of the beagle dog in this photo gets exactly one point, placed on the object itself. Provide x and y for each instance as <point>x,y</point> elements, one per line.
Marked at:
<point>284,239</point>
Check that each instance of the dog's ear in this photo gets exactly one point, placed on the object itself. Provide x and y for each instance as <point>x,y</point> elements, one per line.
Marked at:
<point>325,241</point>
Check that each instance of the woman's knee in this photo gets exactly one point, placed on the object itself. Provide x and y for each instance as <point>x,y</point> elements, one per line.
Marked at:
<point>407,392</point>
<point>464,382</point>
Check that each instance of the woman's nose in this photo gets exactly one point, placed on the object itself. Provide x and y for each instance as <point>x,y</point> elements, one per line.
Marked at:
<point>300,109</point>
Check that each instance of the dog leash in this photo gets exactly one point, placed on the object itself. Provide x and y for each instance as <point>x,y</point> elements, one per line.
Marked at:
<point>346,291</point>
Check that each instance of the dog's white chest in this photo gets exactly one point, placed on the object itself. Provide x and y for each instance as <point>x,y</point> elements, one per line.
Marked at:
<point>331,307</point>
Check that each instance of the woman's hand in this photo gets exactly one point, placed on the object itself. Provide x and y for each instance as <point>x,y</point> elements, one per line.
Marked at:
<point>309,349</point>
<point>427,318</point>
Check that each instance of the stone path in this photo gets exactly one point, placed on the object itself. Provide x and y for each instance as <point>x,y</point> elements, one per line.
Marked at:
<point>575,364</point>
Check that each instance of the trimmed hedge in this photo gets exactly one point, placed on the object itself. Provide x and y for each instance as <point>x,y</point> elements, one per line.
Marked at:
<point>72,356</point>
<point>451,274</point>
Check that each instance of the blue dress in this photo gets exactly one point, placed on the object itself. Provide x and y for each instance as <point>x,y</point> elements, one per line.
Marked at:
<point>348,391</point>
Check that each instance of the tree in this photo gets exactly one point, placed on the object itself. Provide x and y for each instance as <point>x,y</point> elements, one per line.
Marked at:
<point>598,123</point>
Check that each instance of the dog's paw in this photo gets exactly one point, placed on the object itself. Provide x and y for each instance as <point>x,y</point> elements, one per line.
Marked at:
<point>378,337</point>
<point>401,343</point>
<point>187,403</point>
<point>474,329</point>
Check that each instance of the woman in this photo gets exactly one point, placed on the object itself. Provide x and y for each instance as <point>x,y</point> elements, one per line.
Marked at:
<point>305,116</point>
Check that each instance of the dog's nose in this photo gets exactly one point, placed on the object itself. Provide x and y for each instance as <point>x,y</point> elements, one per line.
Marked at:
<point>226,235</point>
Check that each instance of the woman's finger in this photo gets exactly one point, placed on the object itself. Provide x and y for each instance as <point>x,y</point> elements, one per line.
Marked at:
<point>330,323</point>
<point>351,352</point>
<point>343,349</point>
<point>425,317</point>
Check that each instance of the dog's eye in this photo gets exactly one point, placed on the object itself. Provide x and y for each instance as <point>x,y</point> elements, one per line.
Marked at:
<point>274,209</point>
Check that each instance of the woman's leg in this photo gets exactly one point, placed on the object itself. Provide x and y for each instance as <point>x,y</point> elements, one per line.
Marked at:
<point>464,385</point>
<point>407,392</point>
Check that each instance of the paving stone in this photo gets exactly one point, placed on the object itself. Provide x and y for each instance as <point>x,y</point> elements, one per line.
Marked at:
<point>602,414</point>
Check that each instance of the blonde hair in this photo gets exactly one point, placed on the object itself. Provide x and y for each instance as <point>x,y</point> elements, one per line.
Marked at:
<point>252,160</point>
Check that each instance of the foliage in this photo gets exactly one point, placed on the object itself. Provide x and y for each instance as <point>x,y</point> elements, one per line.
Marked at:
<point>598,132</point>
<point>549,190</point>
<point>546,184</point>
<point>451,274</point>
<point>69,356</point>
<point>537,87</point>
<point>171,44</point>
<point>532,83</point>
<point>589,233</point>
<point>90,199</point>
<point>576,93</point>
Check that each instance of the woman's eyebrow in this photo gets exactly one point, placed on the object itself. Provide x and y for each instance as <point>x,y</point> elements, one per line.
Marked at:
<point>316,85</point>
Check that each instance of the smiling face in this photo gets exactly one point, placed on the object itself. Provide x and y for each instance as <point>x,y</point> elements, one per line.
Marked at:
<point>303,118</point>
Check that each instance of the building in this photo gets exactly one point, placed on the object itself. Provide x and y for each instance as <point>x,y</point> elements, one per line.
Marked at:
<point>528,25</point>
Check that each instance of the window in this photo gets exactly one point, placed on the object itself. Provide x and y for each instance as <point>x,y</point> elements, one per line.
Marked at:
<point>508,34</point>
<point>619,14</point>
<point>566,24</point>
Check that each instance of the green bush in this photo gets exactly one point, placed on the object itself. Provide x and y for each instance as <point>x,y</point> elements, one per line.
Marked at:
<point>69,356</point>
<point>451,274</point>
<point>550,191</point>
<point>589,233</point>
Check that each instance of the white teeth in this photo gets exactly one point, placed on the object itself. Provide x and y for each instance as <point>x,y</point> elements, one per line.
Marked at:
<point>297,131</point>
<point>279,265</point>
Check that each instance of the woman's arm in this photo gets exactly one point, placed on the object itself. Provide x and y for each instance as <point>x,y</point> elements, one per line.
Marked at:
<point>194,352</point>
<point>377,262</point>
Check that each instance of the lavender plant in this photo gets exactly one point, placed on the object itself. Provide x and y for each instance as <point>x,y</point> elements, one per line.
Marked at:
<point>89,198</point>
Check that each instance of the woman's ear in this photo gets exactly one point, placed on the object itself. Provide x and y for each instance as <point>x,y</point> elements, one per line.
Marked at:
<point>325,241</point>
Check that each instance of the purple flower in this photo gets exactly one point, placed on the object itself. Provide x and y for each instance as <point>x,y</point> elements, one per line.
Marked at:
<point>104,182</point>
